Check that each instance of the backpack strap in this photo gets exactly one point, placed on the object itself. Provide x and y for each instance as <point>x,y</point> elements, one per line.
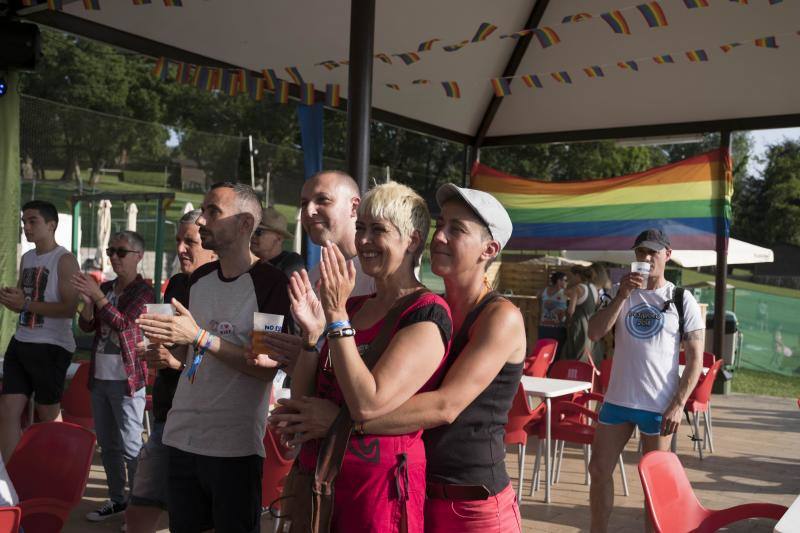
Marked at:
<point>678,298</point>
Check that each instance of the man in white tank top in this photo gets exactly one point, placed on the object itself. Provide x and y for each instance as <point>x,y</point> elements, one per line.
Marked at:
<point>40,352</point>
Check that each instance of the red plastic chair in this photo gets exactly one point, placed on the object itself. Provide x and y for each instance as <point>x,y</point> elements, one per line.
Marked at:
<point>277,463</point>
<point>673,506</point>
<point>76,403</point>
<point>49,469</point>
<point>605,374</point>
<point>700,402</point>
<point>521,420</point>
<point>9,519</point>
<point>540,358</point>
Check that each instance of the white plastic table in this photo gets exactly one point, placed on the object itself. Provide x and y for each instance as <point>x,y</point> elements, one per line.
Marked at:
<point>790,521</point>
<point>547,388</point>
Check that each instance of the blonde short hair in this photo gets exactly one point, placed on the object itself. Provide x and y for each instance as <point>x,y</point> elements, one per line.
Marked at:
<point>400,205</point>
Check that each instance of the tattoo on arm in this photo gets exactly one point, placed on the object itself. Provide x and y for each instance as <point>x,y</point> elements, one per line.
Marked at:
<point>696,335</point>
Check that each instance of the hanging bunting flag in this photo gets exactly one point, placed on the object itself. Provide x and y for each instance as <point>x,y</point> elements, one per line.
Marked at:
<point>425,46</point>
<point>91,5</point>
<point>484,31</point>
<point>628,65</point>
<point>408,58</point>
<point>741,2</point>
<point>307,94</point>
<point>329,64</point>
<point>173,3</point>
<point>594,72</point>
<point>142,2</point>
<point>270,79</point>
<point>653,14</point>
<point>332,98</point>
<point>227,85</point>
<point>55,5</point>
<point>203,78</point>
<point>295,75</point>
<point>561,77</point>
<point>161,68</point>
<point>516,34</point>
<point>255,87</point>
<point>532,80</point>
<point>773,2</point>
<point>344,62</point>
<point>451,89</point>
<point>501,86</point>
<point>575,18</point>
<point>454,47</point>
<point>730,46</point>
<point>661,60</point>
<point>697,55</point>
<point>547,37</point>
<point>766,42</point>
<point>185,73</point>
<point>393,86</point>
<point>421,82</point>
<point>385,58</point>
<point>216,79</point>
<point>691,4</point>
<point>282,92</point>
<point>617,22</point>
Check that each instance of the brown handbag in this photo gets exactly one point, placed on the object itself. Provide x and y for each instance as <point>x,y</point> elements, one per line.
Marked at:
<point>309,497</point>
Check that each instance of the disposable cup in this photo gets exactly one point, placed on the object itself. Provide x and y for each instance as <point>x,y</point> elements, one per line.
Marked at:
<point>157,309</point>
<point>265,323</point>
<point>643,268</point>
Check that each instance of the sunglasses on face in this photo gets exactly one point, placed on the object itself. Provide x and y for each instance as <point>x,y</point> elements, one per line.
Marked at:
<point>119,252</point>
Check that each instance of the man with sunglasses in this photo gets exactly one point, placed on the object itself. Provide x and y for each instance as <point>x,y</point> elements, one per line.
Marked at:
<point>40,352</point>
<point>117,377</point>
<point>645,388</point>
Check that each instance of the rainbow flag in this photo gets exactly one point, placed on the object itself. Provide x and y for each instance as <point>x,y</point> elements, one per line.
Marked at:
<point>455,47</point>
<point>142,2</point>
<point>425,46</point>
<point>730,46</point>
<point>628,65</point>
<point>684,199</point>
<point>547,36</point>
<point>421,82</point>
<point>282,92</point>
<point>575,18</point>
<point>451,89</point>
<point>227,84</point>
<point>55,5</point>
<point>661,60</point>
<point>516,34</point>
<point>383,57</point>
<point>483,32</point>
<point>531,81</point>
<point>215,79</point>
<point>773,2</point>
<point>561,77</point>
<point>328,64</point>
<point>307,94</point>
<point>408,58</point>
<point>766,42</point>
<point>270,79</point>
<point>393,86</point>
<point>594,72</point>
<point>697,55</point>
<point>501,86</point>
<point>691,4</point>
<point>185,73</point>
<point>332,98</point>
<point>161,68</point>
<point>173,3</point>
<point>255,87</point>
<point>203,78</point>
<point>742,2</point>
<point>295,75</point>
<point>653,14</point>
<point>91,5</point>
<point>617,22</point>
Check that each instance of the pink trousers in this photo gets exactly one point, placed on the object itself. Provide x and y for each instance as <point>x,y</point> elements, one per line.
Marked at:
<point>496,514</point>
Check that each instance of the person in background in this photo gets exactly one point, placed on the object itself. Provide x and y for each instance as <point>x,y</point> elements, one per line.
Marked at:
<point>117,377</point>
<point>149,495</point>
<point>583,299</point>
<point>553,310</point>
<point>267,243</point>
<point>39,353</point>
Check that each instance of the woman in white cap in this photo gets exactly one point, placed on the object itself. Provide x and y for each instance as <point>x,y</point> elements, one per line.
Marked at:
<point>267,243</point>
<point>464,419</point>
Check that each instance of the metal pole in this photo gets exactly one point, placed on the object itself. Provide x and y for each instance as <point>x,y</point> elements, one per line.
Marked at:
<point>159,253</point>
<point>252,166</point>
<point>722,246</point>
<point>76,229</point>
<point>359,88</point>
<point>467,166</point>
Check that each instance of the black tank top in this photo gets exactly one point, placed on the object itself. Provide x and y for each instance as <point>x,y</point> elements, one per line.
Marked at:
<point>471,450</point>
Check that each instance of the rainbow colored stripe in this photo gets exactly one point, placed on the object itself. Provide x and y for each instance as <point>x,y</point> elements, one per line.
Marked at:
<point>142,2</point>
<point>501,87</point>
<point>295,75</point>
<point>617,22</point>
<point>173,3</point>
<point>161,68</point>
<point>684,199</point>
<point>307,94</point>
<point>91,5</point>
<point>531,81</point>
<point>270,79</point>
<point>383,57</point>
<point>740,2</point>
<point>730,46</point>
<point>483,32</point>
<point>766,42</point>
<point>455,47</point>
<point>773,2</point>
<point>393,86</point>
<point>576,18</point>
<point>332,98</point>
<point>425,46</point>
<point>546,36</point>
<point>282,92</point>
<point>691,4</point>
<point>697,55</point>
<point>421,82</point>
<point>653,14</point>
<point>451,89</point>
<point>594,71</point>
<point>662,60</point>
<point>330,64</point>
<point>628,65</point>
<point>185,73</point>
<point>408,58</point>
<point>561,77</point>
<point>255,87</point>
<point>516,34</point>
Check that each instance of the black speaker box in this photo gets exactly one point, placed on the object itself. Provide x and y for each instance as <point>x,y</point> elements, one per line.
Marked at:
<point>20,45</point>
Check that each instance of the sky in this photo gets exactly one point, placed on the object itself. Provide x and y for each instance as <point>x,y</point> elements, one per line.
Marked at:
<point>762,139</point>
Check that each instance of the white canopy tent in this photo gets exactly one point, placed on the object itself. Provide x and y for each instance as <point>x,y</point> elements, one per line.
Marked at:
<point>739,253</point>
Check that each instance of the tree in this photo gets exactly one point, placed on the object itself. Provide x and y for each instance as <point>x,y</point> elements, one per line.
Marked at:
<point>779,195</point>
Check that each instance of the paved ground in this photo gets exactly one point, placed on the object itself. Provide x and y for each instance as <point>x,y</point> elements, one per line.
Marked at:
<point>757,442</point>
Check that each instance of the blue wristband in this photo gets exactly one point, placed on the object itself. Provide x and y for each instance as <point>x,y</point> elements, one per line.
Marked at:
<point>339,324</point>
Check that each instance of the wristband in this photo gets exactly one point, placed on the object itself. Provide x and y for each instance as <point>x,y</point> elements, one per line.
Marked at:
<point>339,333</point>
<point>336,325</point>
<point>358,427</point>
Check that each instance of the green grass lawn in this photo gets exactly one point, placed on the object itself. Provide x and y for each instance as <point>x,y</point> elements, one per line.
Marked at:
<point>748,381</point>
<point>691,276</point>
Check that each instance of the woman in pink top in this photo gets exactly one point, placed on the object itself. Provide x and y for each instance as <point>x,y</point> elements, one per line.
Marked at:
<point>381,486</point>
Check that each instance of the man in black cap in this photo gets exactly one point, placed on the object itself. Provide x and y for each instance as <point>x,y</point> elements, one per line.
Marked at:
<point>646,389</point>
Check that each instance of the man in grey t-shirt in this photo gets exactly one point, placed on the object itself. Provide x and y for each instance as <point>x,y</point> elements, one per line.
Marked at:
<point>215,429</point>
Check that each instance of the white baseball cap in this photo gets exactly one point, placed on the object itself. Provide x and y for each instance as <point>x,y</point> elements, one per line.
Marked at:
<point>485,206</point>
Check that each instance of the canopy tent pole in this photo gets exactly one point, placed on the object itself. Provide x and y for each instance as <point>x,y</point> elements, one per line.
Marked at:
<point>10,184</point>
<point>359,89</point>
<point>722,246</point>
<point>159,252</point>
<point>467,166</point>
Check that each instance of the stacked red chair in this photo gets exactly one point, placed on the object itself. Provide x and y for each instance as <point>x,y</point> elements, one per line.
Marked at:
<point>521,421</point>
<point>76,403</point>
<point>540,358</point>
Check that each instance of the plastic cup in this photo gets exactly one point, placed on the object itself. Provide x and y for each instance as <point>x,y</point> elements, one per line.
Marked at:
<point>265,323</point>
<point>157,309</point>
<point>643,268</point>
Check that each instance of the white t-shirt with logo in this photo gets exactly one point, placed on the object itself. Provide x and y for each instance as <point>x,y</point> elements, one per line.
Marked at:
<point>645,370</point>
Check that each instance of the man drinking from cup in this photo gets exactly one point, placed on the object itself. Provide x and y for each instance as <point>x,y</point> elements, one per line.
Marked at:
<point>645,389</point>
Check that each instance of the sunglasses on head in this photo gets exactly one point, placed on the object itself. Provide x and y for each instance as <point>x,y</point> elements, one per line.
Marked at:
<point>119,252</point>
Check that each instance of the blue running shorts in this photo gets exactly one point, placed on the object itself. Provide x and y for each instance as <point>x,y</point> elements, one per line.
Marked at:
<point>648,422</point>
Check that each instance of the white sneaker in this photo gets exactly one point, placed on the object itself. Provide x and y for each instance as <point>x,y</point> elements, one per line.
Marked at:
<point>107,510</point>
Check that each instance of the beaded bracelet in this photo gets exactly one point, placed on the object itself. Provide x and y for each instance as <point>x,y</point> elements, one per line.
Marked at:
<point>343,332</point>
